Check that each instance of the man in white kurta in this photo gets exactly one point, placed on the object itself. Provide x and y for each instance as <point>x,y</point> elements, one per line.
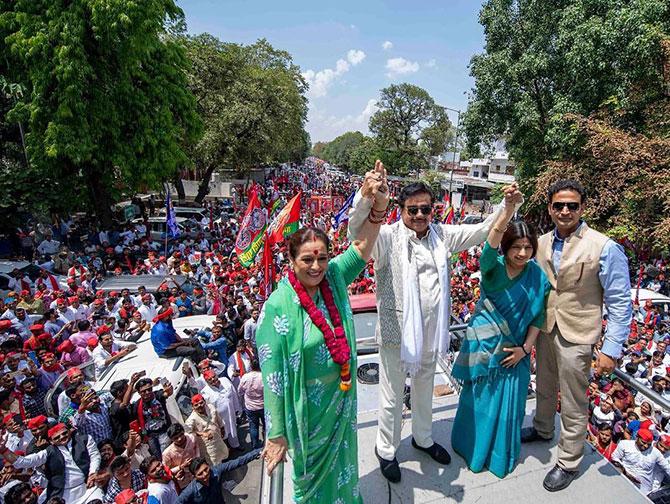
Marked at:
<point>411,260</point>
<point>221,393</point>
<point>206,424</point>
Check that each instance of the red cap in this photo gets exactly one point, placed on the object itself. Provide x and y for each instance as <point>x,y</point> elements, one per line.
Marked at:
<point>665,439</point>
<point>103,329</point>
<point>100,294</point>
<point>125,497</point>
<point>74,371</point>
<point>92,342</point>
<point>209,374</point>
<point>196,398</point>
<point>645,435</point>
<point>8,418</point>
<point>66,346</point>
<point>5,324</point>
<point>56,429</point>
<point>98,302</point>
<point>44,336</point>
<point>72,299</point>
<point>60,302</point>
<point>113,294</point>
<point>36,422</point>
<point>36,328</point>
<point>25,293</point>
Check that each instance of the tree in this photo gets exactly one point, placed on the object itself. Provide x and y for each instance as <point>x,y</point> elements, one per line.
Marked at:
<point>106,107</point>
<point>252,101</point>
<point>411,125</point>
<point>542,63</point>
<point>581,89</point>
<point>317,149</point>
<point>338,151</point>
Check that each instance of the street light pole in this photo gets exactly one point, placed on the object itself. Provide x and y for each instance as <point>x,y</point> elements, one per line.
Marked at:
<point>453,161</point>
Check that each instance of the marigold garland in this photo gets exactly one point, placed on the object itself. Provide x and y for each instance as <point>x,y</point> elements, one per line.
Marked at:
<point>336,340</point>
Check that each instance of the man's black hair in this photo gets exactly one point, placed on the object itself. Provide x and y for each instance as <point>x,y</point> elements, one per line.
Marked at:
<point>195,463</point>
<point>412,190</point>
<point>118,388</point>
<point>174,430</point>
<point>118,463</point>
<point>566,185</point>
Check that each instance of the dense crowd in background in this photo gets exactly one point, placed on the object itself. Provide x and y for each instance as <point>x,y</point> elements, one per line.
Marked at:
<point>122,441</point>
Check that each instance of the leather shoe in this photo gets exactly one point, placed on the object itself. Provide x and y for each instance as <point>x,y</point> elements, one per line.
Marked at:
<point>437,452</point>
<point>529,435</point>
<point>390,468</point>
<point>558,479</point>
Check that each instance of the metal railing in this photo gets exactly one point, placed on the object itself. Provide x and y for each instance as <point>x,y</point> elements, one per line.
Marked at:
<point>646,391</point>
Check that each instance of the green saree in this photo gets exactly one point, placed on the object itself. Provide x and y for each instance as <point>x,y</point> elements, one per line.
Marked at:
<point>303,400</point>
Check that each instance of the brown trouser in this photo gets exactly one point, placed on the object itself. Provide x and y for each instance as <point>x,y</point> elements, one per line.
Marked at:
<point>563,366</point>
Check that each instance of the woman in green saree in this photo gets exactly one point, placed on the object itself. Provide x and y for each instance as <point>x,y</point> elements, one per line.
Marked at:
<point>307,350</point>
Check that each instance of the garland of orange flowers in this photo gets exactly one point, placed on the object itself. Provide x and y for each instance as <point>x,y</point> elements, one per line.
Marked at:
<point>336,339</point>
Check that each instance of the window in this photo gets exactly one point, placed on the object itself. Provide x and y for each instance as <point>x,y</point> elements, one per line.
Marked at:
<point>476,173</point>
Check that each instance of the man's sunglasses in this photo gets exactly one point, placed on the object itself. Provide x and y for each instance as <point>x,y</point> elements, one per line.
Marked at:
<point>424,209</point>
<point>559,205</point>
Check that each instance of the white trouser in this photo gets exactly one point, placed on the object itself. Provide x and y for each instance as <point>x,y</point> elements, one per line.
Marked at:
<point>392,385</point>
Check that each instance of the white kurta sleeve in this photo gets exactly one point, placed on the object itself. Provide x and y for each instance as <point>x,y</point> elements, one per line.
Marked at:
<point>94,455</point>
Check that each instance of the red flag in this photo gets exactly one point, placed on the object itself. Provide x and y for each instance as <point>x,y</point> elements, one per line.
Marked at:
<point>286,222</point>
<point>394,216</point>
<point>639,281</point>
<point>463,206</point>
<point>251,233</point>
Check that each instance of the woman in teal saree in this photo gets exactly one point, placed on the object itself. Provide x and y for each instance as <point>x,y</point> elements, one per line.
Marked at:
<point>493,365</point>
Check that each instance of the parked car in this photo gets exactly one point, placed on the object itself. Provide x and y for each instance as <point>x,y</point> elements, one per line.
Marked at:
<point>364,308</point>
<point>195,213</point>
<point>31,270</point>
<point>150,282</point>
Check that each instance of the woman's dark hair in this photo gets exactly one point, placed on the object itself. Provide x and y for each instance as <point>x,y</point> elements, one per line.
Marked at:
<point>412,190</point>
<point>566,185</point>
<point>517,230</point>
<point>305,235</point>
<point>195,463</point>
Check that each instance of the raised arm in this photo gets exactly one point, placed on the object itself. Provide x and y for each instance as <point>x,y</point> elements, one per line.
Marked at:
<point>463,236</point>
<point>375,188</point>
<point>512,198</point>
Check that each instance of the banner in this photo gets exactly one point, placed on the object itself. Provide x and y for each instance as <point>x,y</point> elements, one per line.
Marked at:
<point>252,230</point>
<point>170,218</point>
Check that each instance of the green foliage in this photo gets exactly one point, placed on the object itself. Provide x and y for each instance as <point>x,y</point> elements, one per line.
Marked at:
<point>252,101</point>
<point>433,179</point>
<point>497,194</point>
<point>410,127</point>
<point>106,108</point>
<point>338,151</point>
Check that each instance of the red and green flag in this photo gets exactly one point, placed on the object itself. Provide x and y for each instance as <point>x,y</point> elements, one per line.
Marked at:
<point>287,221</point>
<point>252,231</point>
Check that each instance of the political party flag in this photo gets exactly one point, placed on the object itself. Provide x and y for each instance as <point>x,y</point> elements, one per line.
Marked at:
<point>252,231</point>
<point>287,221</point>
<point>463,206</point>
<point>394,216</point>
<point>448,214</point>
<point>342,214</point>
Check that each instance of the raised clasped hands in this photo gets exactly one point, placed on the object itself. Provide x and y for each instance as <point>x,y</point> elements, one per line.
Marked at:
<point>513,196</point>
<point>375,186</point>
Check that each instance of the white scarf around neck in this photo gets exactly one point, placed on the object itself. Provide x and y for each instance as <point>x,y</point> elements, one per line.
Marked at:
<point>411,348</point>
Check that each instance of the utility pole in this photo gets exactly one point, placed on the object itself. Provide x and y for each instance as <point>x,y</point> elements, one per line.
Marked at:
<point>453,161</point>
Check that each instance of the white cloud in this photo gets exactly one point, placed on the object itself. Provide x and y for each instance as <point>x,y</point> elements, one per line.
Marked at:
<point>400,66</point>
<point>431,63</point>
<point>387,45</point>
<point>355,56</point>
<point>320,81</point>
<point>324,128</point>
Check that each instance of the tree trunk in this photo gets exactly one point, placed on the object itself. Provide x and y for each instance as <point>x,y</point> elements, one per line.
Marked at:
<point>179,186</point>
<point>203,188</point>
<point>101,197</point>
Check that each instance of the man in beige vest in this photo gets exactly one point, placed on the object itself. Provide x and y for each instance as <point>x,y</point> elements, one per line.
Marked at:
<point>585,269</point>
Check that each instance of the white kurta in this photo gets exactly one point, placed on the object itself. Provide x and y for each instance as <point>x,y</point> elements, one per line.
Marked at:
<point>225,400</point>
<point>211,441</point>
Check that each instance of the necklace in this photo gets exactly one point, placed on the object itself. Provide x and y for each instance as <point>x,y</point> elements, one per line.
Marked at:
<point>336,340</point>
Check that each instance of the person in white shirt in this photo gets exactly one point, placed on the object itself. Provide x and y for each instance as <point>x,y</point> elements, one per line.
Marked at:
<point>148,310</point>
<point>78,488</point>
<point>161,488</point>
<point>18,437</point>
<point>240,362</point>
<point>249,328</point>
<point>638,460</point>
<point>222,394</point>
<point>604,412</point>
<point>663,446</point>
<point>109,351</point>
<point>48,246</point>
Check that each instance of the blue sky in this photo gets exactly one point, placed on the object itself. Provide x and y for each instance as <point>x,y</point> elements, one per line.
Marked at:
<point>349,50</point>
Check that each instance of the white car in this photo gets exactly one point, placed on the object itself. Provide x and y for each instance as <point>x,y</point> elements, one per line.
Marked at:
<point>31,270</point>
<point>144,358</point>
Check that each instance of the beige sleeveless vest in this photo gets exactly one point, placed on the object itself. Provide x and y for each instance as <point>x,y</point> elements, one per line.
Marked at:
<point>575,301</point>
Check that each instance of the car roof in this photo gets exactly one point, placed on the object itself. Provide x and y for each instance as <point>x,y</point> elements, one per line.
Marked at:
<point>645,294</point>
<point>9,266</point>
<point>132,282</point>
<point>363,302</point>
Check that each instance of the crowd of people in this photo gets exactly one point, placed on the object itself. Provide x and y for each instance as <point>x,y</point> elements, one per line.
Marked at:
<point>122,443</point>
